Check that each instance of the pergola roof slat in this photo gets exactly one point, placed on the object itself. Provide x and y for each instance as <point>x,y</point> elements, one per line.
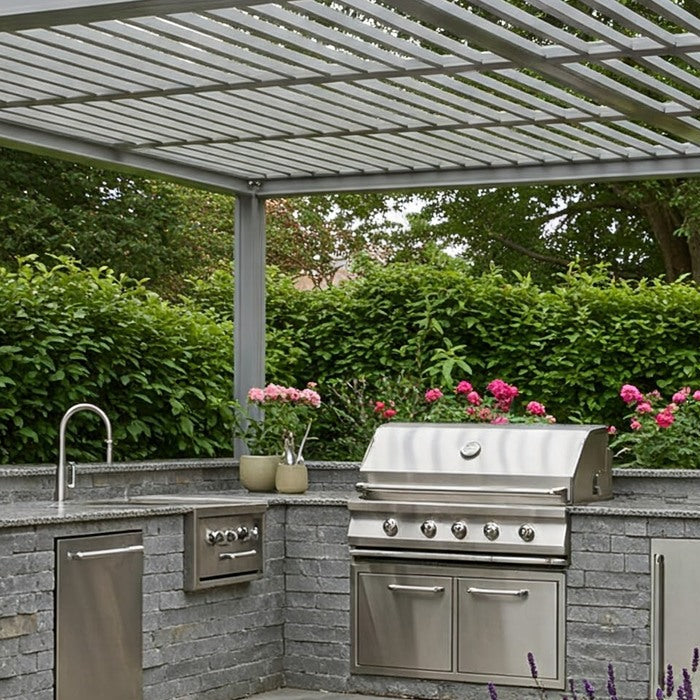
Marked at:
<point>306,95</point>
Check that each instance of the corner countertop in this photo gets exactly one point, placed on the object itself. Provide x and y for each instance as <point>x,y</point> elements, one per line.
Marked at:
<point>28,513</point>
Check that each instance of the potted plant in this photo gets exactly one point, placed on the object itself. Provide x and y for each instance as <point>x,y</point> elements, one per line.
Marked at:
<point>272,438</point>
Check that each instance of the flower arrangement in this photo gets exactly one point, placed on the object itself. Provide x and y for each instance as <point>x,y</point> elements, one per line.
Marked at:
<point>465,404</point>
<point>663,434</point>
<point>288,412</point>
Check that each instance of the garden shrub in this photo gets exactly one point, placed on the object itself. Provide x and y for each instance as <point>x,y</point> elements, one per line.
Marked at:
<point>162,373</point>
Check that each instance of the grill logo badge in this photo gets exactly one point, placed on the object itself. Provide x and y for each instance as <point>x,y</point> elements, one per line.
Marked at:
<point>470,450</point>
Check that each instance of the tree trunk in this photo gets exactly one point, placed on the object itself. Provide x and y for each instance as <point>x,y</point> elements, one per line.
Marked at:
<point>675,251</point>
<point>694,250</point>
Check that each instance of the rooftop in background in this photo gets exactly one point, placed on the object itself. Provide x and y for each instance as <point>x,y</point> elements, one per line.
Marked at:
<point>301,96</point>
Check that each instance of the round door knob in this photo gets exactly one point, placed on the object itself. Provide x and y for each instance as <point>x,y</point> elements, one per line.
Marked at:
<point>390,527</point>
<point>492,531</point>
<point>527,533</point>
<point>429,528</point>
<point>459,530</point>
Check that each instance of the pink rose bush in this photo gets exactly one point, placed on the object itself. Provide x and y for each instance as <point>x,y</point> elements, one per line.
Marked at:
<point>663,434</point>
<point>286,412</point>
<point>464,404</point>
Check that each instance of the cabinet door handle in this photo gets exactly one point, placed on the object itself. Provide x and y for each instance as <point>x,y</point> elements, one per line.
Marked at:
<point>416,589</point>
<point>237,555</point>
<point>521,593</point>
<point>659,618</point>
<point>95,553</point>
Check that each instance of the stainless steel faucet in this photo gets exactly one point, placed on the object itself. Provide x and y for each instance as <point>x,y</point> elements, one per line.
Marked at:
<point>61,471</point>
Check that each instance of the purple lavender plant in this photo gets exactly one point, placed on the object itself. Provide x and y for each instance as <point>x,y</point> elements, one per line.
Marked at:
<point>493,694</point>
<point>612,690</point>
<point>669,681</point>
<point>659,694</point>
<point>687,685</point>
<point>695,661</point>
<point>590,690</point>
<point>572,688</point>
<point>533,665</point>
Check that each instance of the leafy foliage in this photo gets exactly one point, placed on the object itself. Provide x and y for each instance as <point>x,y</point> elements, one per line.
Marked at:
<point>162,373</point>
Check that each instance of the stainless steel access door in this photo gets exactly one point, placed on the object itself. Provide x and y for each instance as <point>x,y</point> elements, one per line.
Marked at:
<point>403,622</point>
<point>98,617</point>
<point>675,617</point>
<point>503,615</point>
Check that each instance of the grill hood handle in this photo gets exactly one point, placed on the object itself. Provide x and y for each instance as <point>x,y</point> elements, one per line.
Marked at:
<point>364,487</point>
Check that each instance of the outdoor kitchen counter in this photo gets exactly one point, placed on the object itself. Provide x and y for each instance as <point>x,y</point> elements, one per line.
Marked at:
<point>44,512</point>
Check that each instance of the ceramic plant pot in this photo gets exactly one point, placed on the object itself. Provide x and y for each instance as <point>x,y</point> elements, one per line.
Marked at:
<point>257,472</point>
<point>292,478</point>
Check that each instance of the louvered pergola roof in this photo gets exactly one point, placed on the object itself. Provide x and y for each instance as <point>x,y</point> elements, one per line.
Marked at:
<point>302,96</point>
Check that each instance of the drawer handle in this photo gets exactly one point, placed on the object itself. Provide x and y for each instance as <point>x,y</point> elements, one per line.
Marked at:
<point>238,555</point>
<point>521,593</point>
<point>93,554</point>
<point>417,589</point>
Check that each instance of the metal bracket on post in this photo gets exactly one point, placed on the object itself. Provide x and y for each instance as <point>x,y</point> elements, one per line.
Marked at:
<point>249,297</point>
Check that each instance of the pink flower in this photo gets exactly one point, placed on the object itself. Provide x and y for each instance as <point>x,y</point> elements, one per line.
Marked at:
<point>485,414</point>
<point>274,391</point>
<point>535,408</point>
<point>255,394</point>
<point>644,407</point>
<point>471,410</point>
<point>696,395</point>
<point>500,420</point>
<point>550,419</point>
<point>389,413</point>
<point>292,394</point>
<point>630,394</point>
<point>463,388</point>
<point>474,398</point>
<point>665,418</point>
<point>311,385</point>
<point>433,395</point>
<point>612,430</point>
<point>635,424</point>
<point>310,397</point>
<point>379,406</point>
<point>682,395</point>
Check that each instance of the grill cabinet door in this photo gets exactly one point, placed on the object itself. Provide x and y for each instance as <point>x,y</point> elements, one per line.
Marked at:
<point>501,619</point>
<point>404,622</point>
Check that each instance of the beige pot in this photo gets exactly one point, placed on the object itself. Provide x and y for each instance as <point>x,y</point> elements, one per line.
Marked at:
<point>257,472</point>
<point>292,478</point>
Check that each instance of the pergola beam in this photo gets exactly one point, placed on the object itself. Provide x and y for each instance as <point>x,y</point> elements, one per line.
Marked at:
<point>654,168</point>
<point>18,15</point>
<point>100,155</point>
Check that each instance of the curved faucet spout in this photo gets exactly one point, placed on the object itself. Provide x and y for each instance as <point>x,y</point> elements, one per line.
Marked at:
<point>61,471</point>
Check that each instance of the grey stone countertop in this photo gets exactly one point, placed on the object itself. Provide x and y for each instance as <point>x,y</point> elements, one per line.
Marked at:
<point>638,507</point>
<point>27,513</point>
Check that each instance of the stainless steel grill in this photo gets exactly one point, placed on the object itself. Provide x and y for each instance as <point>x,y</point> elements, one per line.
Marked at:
<point>467,524</point>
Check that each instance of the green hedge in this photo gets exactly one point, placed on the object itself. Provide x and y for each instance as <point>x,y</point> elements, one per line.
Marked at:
<point>571,346</point>
<point>162,373</point>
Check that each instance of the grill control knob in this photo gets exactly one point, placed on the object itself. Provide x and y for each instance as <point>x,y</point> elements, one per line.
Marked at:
<point>390,527</point>
<point>231,535</point>
<point>492,531</point>
<point>429,528</point>
<point>254,533</point>
<point>459,529</point>
<point>527,533</point>
<point>242,532</point>
<point>215,537</point>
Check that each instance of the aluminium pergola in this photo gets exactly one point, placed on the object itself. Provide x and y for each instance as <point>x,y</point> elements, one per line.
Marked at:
<point>274,99</point>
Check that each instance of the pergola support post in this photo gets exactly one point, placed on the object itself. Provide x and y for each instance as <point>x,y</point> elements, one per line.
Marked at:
<point>249,299</point>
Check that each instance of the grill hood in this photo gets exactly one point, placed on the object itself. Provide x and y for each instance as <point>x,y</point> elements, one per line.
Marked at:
<point>507,463</point>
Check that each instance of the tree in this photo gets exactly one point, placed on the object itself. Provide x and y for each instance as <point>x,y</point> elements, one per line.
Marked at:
<point>638,228</point>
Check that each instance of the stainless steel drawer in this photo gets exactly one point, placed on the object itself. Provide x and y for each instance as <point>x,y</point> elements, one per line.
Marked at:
<point>406,622</point>
<point>501,617</point>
